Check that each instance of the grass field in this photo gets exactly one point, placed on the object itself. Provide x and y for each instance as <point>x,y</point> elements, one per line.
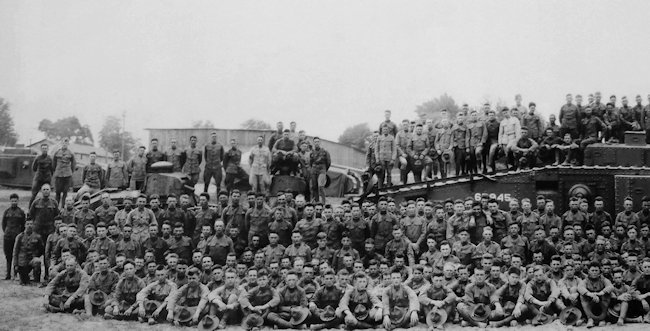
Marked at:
<point>21,308</point>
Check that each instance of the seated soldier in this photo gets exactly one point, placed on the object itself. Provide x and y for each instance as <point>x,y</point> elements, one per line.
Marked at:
<point>542,294</point>
<point>436,296</point>
<point>360,307</point>
<point>158,291</point>
<point>623,300</point>
<point>568,286</point>
<point>27,253</point>
<point>192,296</point>
<point>259,299</point>
<point>524,150</point>
<point>285,155</point>
<point>66,290</point>
<point>400,304</point>
<point>508,301</point>
<point>595,295</point>
<point>548,147</point>
<point>124,301</point>
<point>325,301</point>
<point>224,300</point>
<point>476,293</point>
<point>292,298</point>
<point>417,282</point>
<point>567,150</point>
<point>103,280</point>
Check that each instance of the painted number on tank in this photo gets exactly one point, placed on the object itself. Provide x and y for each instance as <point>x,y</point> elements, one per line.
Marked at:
<point>500,197</point>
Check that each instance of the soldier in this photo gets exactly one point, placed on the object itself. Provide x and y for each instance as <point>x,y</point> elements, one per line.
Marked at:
<point>173,155</point>
<point>50,244</point>
<point>44,211</point>
<point>103,280</point>
<point>43,168</point>
<point>191,159</point>
<point>219,245</point>
<point>569,118</point>
<point>292,298</point>
<point>382,224</point>
<point>72,243</point>
<point>360,307</point>
<point>492,126</point>
<point>27,254</point>
<point>92,177</point>
<point>66,290</point>
<point>13,223</point>
<point>137,167</point>
<point>385,154</point>
<point>478,135</point>
<point>257,220</point>
<point>401,144</point>
<point>418,151</point>
<point>524,151</point>
<point>224,300</point>
<point>204,215</point>
<point>102,244</point>
<point>534,124</point>
<point>328,295</point>
<point>259,161</point>
<point>260,298</point>
<point>277,135</point>
<point>612,120</point>
<point>159,291</point>
<point>460,145</point>
<point>509,131</point>
<point>542,294</point>
<point>392,127</point>
<point>117,174</point>
<point>124,302</point>
<point>181,244</point>
<point>285,153</point>
<point>232,163</point>
<point>140,219</point>
<point>519,105</point>
<point>444,148</point>
<point>127,246</point>
<point>320,163</point>
<point>594,295</point>
<point>106,212</point>
<point>592,129</point>
<point>154,155</point>
<point>84,216</point>
<point>64,165</point>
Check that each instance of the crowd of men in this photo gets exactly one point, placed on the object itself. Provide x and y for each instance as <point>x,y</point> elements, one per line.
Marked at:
<point>292,263</point>
<point>288,152</point>
<point>474,140</point>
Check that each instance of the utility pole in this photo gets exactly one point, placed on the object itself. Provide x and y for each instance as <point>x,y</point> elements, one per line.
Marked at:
<point>123,130</point>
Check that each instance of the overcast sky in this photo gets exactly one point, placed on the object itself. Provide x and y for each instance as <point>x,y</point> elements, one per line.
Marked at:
<point>325,64</point>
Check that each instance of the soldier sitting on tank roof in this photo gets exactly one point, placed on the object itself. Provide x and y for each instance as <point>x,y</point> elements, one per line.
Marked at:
<point>524,151</point>
<point>285,157</point>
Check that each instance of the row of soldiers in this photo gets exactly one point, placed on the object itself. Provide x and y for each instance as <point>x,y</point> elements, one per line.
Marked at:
<point>474,139</point>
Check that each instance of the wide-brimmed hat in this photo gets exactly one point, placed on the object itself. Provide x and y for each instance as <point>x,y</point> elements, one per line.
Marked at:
<point>437,317</point>
<point>360,312</point>
<point>398,315</point>
<point>208,323</point>
<point>150,306</point>
<point>183,314</point>
<point>252,320</point>
<point>542,319</point>
<point>508,308</point>
<point>571,315</point>
<point>298,315</point>
<point>327,314</point>
<point>480,312</point>
<point>97,298</point>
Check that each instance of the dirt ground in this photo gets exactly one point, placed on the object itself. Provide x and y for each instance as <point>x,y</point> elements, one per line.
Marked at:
<point>21,308</point>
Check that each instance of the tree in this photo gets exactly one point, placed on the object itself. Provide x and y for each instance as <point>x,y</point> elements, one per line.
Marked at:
<point>207,124</point>
<point>355,136</point>
<point>111,137</point>
<point>68,127</point>
<point>253,124</point>
<point>431,109</point>
<point>8,136</point>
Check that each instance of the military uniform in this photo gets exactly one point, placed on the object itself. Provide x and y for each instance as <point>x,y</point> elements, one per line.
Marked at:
<point>289,298</point>
<point>83,217</point>
<point>474,294</point>
<point>400,298</point>
<point>382,229</point>
<point>13,223</point>
<point>298,250</point>
<point>182,246</point>
<point>140,221</point>
<point>477,138</point>
<point>126,291</point>
<point>67,285</point>
<point>192,157</point>
<point>232,163</point>
<point>204,216</point>
<point>569,119</point>
<point>460,144</point>
<point>104,246</point>
<point>130,248</point>
<point>92,179</point>
<point>418,152</point>
<point>64,165</point>
<point>117,175</point>
<point>28,245</point>
<point>102,281</point>
<point>385,154</point>
<point>159,247</point>
<point>258,296</point>
<point>218,248</point>
<point>320,162</point>
<point>43,168</point>
<point>257,223</point>
<point>534,124</point>
<point>158,292</point>
<point>260,162</point>
<point>358,230</point>
<point>137,167</point>
<point>309,228</point>
<point>44,211</point>
<point>174,156</point>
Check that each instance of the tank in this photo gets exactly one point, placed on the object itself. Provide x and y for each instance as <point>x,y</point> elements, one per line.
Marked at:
<point>612,171</point>
<point>16,169</point>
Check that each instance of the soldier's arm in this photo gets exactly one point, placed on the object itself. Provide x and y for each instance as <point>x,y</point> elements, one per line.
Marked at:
<point>16,250</point>
<point>83,286</point>
<point>55,160</point>
<point>35,164</point>
<point>52,284</point>
<point>385,303</point>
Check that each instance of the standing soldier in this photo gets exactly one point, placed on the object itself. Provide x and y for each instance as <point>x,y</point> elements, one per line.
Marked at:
<point>43,168</point>
<point>154,155</point>
<point>191,160</point>
<point>477,137</point>
<point>231,161</point>
<point>64,165</point>
<point>43,211</point>
<point>569,118</point>
<point>418,152</point>
<point>137,167</point>
<point>371,161</point>
<point>443,145</point>
<point>401,144</point>
<point>28,254</point>
<point>385,154</point>
<point>214,154</point>
<point>13,223</point>
<point>320,162</point>
<point>117,174</point>
<point>173,155</point>
<point>460,144</point>
<point>392,127</point>
<point>509,131</point>
<point>492,143</point>
<point>92,178</point>
<point>259,162</point>
<point>534,124</point>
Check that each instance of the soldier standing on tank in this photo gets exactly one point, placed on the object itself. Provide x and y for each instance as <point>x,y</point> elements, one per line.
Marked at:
<point>64,165</point>
<point>117,174</point>
<point>173,155</point>
<point>214,155</point>
<point>191,160</point>
<point>137,167</point>
<point>154,155</point>
<point>320,162</point>
<point>569,118</point>
<point>92,177</point>
<point>385,154</point>
<point>260,162</point>
<point>232,161</point>
<point>43,168</point>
